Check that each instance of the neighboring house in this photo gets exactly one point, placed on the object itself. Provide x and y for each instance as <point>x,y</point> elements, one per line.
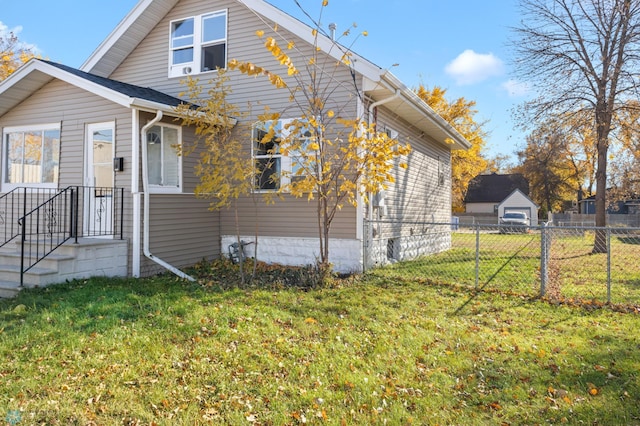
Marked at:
<point>486,192</point>
<point>518,201</point>
<point>629,206</point>
<point>112,124</point>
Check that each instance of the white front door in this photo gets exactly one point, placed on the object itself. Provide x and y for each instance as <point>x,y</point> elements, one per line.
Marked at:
<point>99,180</point>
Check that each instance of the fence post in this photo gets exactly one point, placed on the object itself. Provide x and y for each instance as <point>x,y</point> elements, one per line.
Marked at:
<point>543,259</point>
<point>477,254</point>
<point>121,213</point>
<point>75,212</point>
<point>608,264</point>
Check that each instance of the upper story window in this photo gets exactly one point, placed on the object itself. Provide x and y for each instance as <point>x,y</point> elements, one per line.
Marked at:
<point>198,44</point>
<point>164,165</point>
<point>31,156</point>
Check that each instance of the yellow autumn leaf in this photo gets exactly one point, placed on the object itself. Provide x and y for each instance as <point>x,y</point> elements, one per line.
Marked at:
<point>314,146</point>
<point>260,33</point>
<point>325,2</point>
<point>365,33</point>
<point>314,32</point>
<point>330,113</point>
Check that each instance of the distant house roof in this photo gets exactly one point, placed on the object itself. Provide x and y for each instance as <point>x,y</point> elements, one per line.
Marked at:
<point>494,188</point>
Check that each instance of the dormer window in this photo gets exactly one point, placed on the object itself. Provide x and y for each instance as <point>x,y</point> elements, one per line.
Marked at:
<point>198,44</point>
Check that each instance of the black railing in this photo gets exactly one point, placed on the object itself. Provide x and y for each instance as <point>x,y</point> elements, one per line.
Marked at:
<point>15,204</point>
<point>71,213</point>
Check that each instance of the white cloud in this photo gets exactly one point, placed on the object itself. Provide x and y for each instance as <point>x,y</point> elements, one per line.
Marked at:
<point>5,31</point>
<point>471,67</point>
<point>515,88</point>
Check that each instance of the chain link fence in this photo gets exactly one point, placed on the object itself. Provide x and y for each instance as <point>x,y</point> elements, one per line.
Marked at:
<point>558,262</point>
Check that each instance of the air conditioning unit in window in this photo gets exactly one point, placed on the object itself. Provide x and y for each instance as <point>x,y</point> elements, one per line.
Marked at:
<point>186,70</point>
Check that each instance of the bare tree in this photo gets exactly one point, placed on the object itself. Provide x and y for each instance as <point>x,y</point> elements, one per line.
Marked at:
<point>581,56</point>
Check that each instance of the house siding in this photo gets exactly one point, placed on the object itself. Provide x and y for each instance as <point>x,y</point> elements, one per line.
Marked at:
<point>418,194</point>
<point>182,229</point>
<point>147,65</point>
<point>417,204</point>
<point>74,108</point>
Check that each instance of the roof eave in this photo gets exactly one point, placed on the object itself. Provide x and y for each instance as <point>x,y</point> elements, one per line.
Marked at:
<point>451,136</point>
<point>105,58</point>
<point>42,73</point>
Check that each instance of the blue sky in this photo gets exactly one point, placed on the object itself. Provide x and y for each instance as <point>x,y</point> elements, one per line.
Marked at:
<point>461,46</point>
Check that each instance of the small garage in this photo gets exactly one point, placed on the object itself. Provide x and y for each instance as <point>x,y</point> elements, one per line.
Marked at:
<point>518,201</point>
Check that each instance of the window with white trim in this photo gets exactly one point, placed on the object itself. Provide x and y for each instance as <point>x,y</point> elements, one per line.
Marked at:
<point>198,44</point>
<point>265,150</point>
<point>164,165</point>
<point>274,169</point>
<point>31,156</point>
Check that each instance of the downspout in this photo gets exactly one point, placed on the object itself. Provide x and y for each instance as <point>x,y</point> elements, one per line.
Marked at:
<point>145,206</point>
<point>372,107</point>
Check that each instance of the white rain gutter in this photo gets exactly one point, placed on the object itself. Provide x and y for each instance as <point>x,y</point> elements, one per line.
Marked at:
<point>395,95</point>
<point>145,188</point>
<point>373,106</point>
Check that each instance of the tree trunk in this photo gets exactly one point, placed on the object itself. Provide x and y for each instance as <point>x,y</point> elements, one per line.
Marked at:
<point>602,131</point>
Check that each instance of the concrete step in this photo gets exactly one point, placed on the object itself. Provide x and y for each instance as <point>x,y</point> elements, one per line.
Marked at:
<point>51,261</point>
<point>88,257</point>
<point>9,289</point>
<point>35,277</point>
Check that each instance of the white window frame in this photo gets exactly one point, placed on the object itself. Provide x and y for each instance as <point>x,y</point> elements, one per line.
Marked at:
<point>161,189</point>
<point>195,66</point>
<point>6,186</point>
<point>277,155</point>
<point>286,161</point>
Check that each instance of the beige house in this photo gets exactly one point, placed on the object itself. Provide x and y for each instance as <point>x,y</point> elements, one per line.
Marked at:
<point>106,131</point>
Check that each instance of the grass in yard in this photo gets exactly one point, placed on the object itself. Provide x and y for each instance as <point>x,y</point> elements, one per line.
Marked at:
<point>508,262</point>
<point>369,351</point>
<point>511,263</point>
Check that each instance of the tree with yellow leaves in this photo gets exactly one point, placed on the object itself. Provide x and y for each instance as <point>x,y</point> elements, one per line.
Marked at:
<point>465,164</point>
<point>12,54</point>
<point>550,167</point>
<point>224,172</point>
<point>335,157</point>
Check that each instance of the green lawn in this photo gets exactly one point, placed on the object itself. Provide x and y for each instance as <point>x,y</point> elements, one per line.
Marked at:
<point>511,263</point>
<point>364,351</point>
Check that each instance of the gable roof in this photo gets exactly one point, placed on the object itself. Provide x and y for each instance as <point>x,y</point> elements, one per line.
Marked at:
<point>518,191</point>
<point>380,84</point>
<point>37,72</point>
<point>494,188</point>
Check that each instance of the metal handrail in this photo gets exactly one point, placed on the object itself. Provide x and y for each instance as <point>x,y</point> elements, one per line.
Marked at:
<point>14,204</point>
<point>55,221</point>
